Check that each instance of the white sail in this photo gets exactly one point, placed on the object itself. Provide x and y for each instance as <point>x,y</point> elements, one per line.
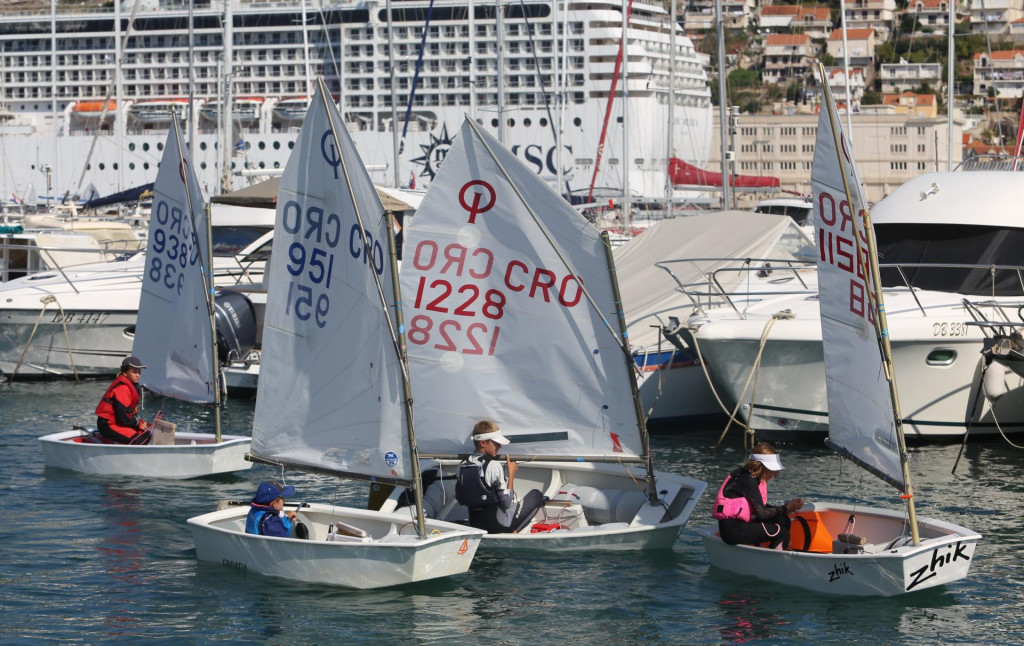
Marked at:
<point>172,333</point>
<point>330,381</point>
<point>498,326</point>
<point>861,419</point>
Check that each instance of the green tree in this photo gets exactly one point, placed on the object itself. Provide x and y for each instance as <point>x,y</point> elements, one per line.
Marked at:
<point>871,98</point>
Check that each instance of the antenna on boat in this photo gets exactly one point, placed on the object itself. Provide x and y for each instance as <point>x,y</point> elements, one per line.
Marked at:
<point>867,257</point>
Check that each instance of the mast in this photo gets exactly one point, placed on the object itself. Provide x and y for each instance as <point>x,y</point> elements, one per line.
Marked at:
<point>305,49</point>
<point>950,83</point>
<point>652,490</point>
<point>608,111</point>
<point>625,123</point>
<point>394,97</point>
<point>846,69</point>
<point>669,143</point>
<point>403,357</point>
<point>227,101</point>
<point>499,28</point>
<point>191,76</point>
<point>723,82</point>
<point>53,100</point>
<point>868,257</point>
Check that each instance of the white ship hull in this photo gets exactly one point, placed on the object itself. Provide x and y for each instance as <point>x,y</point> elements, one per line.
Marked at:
<point>938,358</point>
<point>883,567</point>
<point>556,70</point>
<point>390,554</point>
<point>193,455</point>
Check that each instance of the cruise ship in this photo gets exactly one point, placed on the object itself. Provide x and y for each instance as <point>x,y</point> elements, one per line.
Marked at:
<point>87,93</point>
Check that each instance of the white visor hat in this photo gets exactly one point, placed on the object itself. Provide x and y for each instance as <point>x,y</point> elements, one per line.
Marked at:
<point>495,436</point>
<point>769,460</point>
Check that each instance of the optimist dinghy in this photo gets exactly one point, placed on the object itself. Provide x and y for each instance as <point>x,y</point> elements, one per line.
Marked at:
<point>842,549</point>
<point>515,316</point>
<point>334,395</point>
<point>175,339</point>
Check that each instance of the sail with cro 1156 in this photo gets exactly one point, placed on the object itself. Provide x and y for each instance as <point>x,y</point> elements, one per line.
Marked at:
<point>855,549</point>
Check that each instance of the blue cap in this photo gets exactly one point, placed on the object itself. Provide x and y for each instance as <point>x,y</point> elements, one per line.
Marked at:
<point>268,492</point>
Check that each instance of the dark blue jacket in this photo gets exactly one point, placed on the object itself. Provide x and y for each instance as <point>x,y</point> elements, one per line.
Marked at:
<point>265,521</point>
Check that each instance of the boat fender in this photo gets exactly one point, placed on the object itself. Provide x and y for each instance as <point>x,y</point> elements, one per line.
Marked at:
<point>726,507</point>
<point>994,381</point>
<point>471,490</point>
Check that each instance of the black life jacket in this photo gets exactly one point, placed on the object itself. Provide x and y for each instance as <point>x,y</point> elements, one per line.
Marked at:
<point>471,490</point>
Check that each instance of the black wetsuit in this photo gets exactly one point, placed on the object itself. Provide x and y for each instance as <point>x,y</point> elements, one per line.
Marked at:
<point>767,523</point>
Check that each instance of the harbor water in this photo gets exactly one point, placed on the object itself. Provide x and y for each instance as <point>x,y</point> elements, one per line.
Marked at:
<point>110,560</point>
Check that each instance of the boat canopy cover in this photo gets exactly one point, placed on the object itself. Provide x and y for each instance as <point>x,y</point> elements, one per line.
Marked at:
<point>264,195</point>
<point>650,296</point>
<point>685,174</point>
<point>130,195</point>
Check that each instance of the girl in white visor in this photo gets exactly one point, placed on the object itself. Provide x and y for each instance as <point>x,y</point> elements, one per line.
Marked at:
<point>741,506</point>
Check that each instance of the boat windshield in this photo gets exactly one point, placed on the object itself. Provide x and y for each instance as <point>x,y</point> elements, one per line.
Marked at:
<point>951,244</point>
<point>229,241</point>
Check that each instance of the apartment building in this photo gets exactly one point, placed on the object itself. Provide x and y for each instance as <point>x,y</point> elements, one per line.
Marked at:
<point>787,57</point>
<point>903,76</point>
<point>889,147</point>
<point>1001,72</point>
<point>995,16</point>
<point>872,14</point>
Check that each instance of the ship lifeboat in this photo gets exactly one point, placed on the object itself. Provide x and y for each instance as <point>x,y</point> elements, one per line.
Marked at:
<point>91,112</point>
<point>245,111</point>
<point>157,112</point>
<point>291,111</point>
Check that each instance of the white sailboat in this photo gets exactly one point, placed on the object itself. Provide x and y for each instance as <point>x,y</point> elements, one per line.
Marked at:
<point>891,552</point>
<point>334,394</point>
<point>515,317</point>
<point>174,339</point>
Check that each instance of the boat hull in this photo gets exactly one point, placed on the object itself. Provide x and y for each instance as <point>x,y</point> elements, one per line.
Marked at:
<point>937,398</point>
<point>943,556</point>
<point>393,555</point>
<point>193,455</point>
<point>607,510</point>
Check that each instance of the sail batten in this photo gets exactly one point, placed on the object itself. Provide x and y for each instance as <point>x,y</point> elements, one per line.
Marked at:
<point>173,331</point>
<point>508,302</point>
<point>330,396</point>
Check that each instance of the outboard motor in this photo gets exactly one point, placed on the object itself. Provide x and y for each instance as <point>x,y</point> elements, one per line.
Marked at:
<point>236,326</point>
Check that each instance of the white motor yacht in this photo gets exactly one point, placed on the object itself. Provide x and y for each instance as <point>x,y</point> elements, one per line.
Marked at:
<point>82,321</point>
<point>938,244</point>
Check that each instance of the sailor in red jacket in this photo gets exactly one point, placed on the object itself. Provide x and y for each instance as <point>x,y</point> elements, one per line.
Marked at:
<point>117,414</point>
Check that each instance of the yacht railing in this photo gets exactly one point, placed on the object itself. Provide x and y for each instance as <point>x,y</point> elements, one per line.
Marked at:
<point>710,290</point>
<point>22,257</point>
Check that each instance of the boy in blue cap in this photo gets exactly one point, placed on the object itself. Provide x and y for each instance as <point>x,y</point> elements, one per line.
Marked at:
<point>266,514</point>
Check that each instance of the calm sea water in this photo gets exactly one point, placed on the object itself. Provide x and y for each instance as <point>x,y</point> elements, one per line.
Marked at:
<point>90,560</point>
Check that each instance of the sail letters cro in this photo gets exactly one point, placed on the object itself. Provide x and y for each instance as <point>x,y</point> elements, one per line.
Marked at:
<point>837,247</point>
<point>470,284</point>
<point>315,237</point>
